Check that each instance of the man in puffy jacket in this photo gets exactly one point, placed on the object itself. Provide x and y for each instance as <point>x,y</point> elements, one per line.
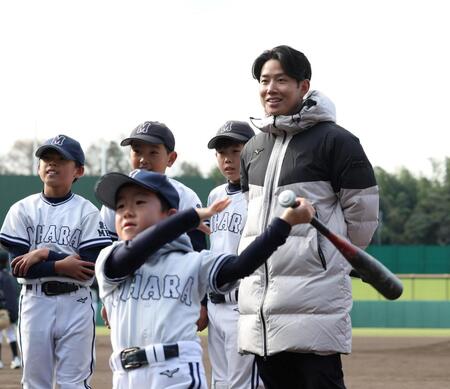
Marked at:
<point>295,309</point>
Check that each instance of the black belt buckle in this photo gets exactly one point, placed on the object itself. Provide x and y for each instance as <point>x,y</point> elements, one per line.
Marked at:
<point>50,288</point>
<point>132,358</point>
<point>54,288</point>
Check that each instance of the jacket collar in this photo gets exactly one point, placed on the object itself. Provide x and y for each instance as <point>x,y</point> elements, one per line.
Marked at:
<point>315,108</point>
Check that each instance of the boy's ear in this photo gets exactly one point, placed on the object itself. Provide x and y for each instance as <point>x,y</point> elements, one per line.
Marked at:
<point>171,211</point>
<point>172,158</point>
<point>79,172</point>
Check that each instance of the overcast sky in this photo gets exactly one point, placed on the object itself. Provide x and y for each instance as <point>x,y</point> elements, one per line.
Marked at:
<point>96,69</point>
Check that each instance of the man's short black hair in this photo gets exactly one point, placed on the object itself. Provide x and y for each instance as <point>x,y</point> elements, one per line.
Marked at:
<point>294,63</point>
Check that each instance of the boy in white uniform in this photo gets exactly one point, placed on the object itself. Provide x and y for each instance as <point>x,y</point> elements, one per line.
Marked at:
<point>230,370</point>
<point>55,237</point>
<point>152,147</point>
<point>151,281</point>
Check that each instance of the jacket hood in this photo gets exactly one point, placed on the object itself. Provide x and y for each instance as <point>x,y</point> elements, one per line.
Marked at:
<point>181,244</point>
<point>315,108</point>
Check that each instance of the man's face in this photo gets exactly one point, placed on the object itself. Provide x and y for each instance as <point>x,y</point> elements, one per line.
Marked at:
<point>228,161</point>
<point>279,93</point>
<point>151,157</point>
<point>136,209</point>
<point>57,173</point>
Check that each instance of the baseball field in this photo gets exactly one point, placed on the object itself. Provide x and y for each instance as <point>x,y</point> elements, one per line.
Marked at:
<point>381,359</point>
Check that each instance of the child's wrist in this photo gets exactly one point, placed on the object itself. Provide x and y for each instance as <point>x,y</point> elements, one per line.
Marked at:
<point>42,254</point>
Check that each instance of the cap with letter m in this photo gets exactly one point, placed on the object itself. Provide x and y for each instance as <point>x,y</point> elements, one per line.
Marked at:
<point>234,130</point>
<point>152,132</point>
<point>68,147</point>
<point>109,185</point>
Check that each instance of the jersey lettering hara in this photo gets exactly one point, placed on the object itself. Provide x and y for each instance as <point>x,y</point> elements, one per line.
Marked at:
<point>155,287</point>
<point>60,235</point>
<point>226,221</point>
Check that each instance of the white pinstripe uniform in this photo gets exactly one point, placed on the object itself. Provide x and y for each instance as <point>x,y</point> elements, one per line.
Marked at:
<point>56,333</point>
<point>230,369</point>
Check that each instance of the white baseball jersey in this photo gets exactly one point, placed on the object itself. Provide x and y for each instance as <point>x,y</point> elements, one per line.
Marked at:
<point>226,226</point>
<point>64,227</point>
<point>56,333</point>
<point>230,369</point>
<point>188,199</point>
<point>159,304</point>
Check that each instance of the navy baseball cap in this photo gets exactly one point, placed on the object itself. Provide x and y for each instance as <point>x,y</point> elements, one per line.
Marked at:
<point>108,186</point>
<point>68,147</point>
<point>152,132</point>
<point>235,130</point>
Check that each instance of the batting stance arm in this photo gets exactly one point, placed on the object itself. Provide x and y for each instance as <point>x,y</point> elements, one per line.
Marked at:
<point>126,258</point>
<point>255,254</point>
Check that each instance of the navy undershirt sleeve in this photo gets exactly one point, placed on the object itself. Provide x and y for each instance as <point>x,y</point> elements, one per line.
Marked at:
<point>256,253</point>
<point>42,269</point>
<point>198,239</point>
<point>47,268</point>
<point>132,254</point>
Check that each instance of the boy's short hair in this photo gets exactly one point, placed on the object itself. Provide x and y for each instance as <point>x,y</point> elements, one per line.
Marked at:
<point>154,133</point>
<point>232,131</point>
<point>293,62</point>
<point>68,147</point>
<point>109,185</point>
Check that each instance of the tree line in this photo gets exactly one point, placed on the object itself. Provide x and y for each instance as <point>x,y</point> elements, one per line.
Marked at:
<point>413,209</point>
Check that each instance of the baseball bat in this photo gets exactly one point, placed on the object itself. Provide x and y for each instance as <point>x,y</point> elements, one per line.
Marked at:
<point>370,269</point>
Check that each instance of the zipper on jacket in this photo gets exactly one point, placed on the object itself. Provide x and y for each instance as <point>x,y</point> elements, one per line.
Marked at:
<point>266,269</point>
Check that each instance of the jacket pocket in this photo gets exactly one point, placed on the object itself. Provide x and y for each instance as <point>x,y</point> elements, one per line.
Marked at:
<point>320,252</point>
<point>319,248</point>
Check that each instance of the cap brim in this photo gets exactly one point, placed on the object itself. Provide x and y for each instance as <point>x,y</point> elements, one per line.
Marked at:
<point>153,140</point>
<point>107,187</point>
<point>41,150</point>
<point>236,137</point>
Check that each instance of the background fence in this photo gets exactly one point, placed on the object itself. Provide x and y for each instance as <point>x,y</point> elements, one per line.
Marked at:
<point>424,270</point>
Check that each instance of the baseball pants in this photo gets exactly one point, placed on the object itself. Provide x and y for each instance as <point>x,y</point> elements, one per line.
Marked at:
<point>230,370</point>
<point>56,338</point>
<point>183,372</point>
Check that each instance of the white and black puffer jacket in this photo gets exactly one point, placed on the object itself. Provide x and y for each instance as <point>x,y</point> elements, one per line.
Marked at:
<point>300,299</point>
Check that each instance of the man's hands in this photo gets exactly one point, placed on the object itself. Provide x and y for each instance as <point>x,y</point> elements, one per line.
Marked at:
<point>205,213</point>
<point>21,264</point>
<point>74,267</point>
<point>303,213</point>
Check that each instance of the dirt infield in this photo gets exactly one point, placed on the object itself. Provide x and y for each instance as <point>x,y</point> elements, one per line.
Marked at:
<point>376,363</point>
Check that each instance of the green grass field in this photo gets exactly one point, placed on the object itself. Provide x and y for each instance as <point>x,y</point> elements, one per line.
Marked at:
<point>416,289</point>
<point>394,332</point>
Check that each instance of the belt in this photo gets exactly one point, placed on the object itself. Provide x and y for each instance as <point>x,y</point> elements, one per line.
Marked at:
<point>134,357</point>
<point>54,288</point>
<point>217,298</point>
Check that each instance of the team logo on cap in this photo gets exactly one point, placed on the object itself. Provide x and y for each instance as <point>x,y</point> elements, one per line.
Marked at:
<point>58,140</point>
<point>143,128</point>
<point>226,128</point>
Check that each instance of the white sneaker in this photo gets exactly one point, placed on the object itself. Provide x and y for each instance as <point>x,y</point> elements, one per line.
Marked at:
<point>15,364</point>
<point>1,365</point>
